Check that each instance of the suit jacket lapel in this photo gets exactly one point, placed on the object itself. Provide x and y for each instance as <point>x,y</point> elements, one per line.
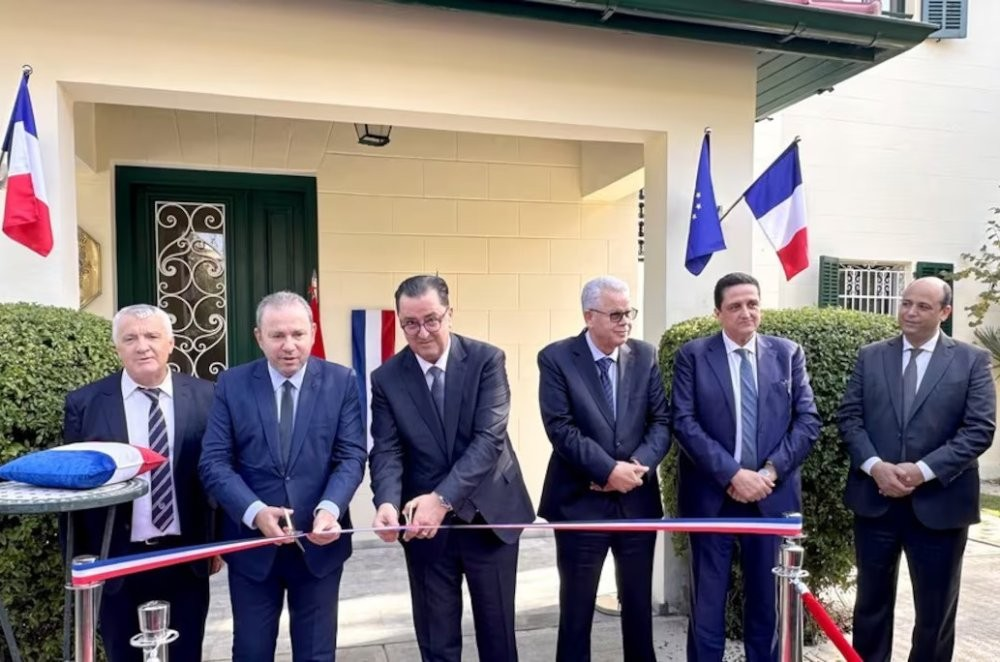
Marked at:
<point>936,367</point>
<point>626,371</point>
<point>115,408</point>
<point>454,388</point>
<point>892,366</point>
<point>304,408</point>
<point>584,361</point>
<point>416,384</point>
<point>719,362</point>
<point>182,405</point>
<point>264,393</point>
<point>769,372</point>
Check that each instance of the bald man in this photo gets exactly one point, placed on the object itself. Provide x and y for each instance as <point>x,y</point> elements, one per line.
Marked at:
<point>918,412</point>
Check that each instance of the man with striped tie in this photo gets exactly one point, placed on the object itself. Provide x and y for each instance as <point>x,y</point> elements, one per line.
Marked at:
<point>148,405</point>
<point>745,419</point>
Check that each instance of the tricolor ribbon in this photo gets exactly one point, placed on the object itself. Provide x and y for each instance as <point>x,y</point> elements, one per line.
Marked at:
<point>88,573</point>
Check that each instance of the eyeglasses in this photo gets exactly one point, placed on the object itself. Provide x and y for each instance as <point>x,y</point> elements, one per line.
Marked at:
<point>618,316</point>
<point>432,324</point>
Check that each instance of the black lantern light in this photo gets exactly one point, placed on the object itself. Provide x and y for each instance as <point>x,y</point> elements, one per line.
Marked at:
<point>373,135</point>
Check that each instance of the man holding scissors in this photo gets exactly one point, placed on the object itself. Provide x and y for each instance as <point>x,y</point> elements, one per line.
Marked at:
<point>284,451</point>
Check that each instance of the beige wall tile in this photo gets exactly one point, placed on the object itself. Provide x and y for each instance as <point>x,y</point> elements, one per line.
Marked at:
<point>308,144</point>
<point>512,363</point>
<point>548,151</point>
<point>119,135</point>
<point>348,252</point>
<point>528,364</point>
<point>160,135</point>
<point>623,254</point>
<point>455,254</point>
<point>367,214</point>
<point>566,323</point>
<point>472,323</point>
<point>355,290</point>
<point>518,182</point>
<point>450,179</point>
<point>615,221</point>
<point>271,138</point>
<point>403,142</point>
<point>488,292</point>
<point>526,326</point>
<point>424,216</point>
<point>199,139</point>
<point>549,292</point>
<point>235,139</point>
<point>487,218</point>
<point>370,174</point>
<point>513,256</point>
<point>548,219</point>
<point>565,184</point>
<point>579,255</point>
<point>486,147</point>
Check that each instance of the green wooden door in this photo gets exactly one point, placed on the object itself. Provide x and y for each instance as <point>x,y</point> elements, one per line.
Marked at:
<point>206,247</point>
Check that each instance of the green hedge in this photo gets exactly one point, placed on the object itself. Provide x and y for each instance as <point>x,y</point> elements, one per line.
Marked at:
<point>830,338</point>
<point>47,352</point>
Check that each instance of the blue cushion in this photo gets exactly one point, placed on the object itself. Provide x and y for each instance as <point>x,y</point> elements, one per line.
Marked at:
<point>82,466</point>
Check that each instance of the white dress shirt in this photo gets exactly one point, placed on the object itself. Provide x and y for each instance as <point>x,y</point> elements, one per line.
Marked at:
<point>441,363</point>
<point>612,369</point>
<point>923,359</point>
<point>137,406</point>
<point>735,360</point>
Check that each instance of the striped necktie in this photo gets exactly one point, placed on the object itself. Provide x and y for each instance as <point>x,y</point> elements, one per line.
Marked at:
<point>748,413</point>
<point>161,482</point>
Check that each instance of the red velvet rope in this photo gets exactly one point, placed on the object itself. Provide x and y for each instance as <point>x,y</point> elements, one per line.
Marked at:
<point>826,624</point>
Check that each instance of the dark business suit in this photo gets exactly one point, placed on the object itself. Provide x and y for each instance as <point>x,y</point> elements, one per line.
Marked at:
<point>242,462</point>
<point>96,412</point>
<point>950,425</point>
<point>587,440</point>
<point>704,416</point>
<point>469,461</point>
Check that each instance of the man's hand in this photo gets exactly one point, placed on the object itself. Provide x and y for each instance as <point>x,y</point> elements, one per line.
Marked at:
<point>215,564</point>
<point>386,515</point>
<point>326,528</point>
<point>890,479</point>
<point>625,477</point>
<point>910,474</point>
<point>268,522</point>
<point>749,486</point>
<point>423,516</point>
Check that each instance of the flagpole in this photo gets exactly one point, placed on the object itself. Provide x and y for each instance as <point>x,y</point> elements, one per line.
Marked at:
<point>794,142</point>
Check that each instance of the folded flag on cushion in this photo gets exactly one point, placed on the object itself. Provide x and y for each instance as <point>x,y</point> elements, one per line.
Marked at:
<point>84,465</point>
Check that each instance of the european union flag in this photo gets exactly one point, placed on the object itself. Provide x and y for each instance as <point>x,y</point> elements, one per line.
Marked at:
<point>705,233</point>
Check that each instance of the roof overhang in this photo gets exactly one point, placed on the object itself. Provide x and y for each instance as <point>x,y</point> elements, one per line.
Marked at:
<point>801,50</point>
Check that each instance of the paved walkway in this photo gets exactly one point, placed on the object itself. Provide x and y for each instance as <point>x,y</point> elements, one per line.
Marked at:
<point>375,622</point>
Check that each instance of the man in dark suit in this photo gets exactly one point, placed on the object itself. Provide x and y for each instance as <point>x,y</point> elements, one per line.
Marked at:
<point>148,405</point>
<point>285,436</point>
<point>605,412</point>
<point>914,434</point>
<point>441,453</point>
<point>745,420</point>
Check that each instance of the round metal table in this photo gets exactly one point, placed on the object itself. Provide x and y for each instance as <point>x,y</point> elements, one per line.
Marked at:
<point>23,499</point>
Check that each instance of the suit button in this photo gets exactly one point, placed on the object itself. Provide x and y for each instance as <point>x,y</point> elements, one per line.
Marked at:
<point>287,478</point>
<point>618,444</point>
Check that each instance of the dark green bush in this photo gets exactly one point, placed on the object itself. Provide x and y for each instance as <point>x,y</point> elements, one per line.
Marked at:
<point>45,352</point>
<point>830,338</point>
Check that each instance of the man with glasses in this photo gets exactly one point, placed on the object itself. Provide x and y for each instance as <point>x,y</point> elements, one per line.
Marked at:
<point>606,414</point>
<point>441,456</point>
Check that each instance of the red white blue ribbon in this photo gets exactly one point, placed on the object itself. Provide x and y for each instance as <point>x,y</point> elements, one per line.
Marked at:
<point>88,573</point>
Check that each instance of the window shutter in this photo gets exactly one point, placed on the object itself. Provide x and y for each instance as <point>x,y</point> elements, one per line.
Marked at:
<point>829,282</point>
<point>943,270</point>
<point>951,15</point>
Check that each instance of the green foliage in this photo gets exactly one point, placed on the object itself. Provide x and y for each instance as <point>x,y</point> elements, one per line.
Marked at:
<point>47,352</point>
<point>830,338</point>
<point>984,266</point>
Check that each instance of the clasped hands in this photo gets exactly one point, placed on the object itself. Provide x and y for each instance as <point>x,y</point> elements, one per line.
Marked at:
<point>424,515</point>
<point>275,522</point>
<point>896,480</point>
<point>625,477</point>
<point>748,486</point>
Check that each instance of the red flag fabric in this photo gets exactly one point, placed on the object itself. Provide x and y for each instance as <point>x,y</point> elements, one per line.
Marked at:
<point>318,350</point>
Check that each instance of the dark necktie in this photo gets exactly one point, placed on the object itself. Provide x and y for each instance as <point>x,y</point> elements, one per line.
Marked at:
<point>161,482</point>
<point>604,366</point>
<point>437,390</point>
<point>286,420</point>
<point>748,413</point>
<point>910,383</point>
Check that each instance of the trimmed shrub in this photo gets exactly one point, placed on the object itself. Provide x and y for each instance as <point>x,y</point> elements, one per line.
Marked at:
<point>47,352</point>
<point>830,338</point>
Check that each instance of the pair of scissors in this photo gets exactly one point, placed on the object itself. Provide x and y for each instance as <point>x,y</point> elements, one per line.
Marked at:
<point>291,529</point>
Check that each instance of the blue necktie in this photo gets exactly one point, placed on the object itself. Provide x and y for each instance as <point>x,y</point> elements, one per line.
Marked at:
<point>609,393</point>
<point>437,390</point>
<point>748,412</point>
<point>161,482</point>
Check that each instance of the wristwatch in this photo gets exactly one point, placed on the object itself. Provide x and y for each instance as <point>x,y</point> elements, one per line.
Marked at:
<point>443,501</point>
<point>769,469</point>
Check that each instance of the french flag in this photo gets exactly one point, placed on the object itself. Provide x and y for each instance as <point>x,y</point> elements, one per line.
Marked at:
<point>373,341</point>
<point>778,202</point>
<point>26,214</point>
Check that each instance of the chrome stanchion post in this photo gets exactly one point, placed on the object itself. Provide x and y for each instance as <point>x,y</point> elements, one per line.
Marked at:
<point>85,629</point>
<point>155,635</point>
<point>790,620</point>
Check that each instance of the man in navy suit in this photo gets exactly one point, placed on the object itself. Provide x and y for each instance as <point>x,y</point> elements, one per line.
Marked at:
<point>605,412</point>
<point>745,420</point>
<point>914,435</point>
<point>285,436</point>
<point>441,455</point>
<point>148,405</point>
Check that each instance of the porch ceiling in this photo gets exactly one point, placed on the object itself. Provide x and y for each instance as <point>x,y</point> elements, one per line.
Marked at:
<point>801,50</point>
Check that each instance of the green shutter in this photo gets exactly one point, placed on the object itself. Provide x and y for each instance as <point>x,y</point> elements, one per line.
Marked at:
<point>944,270</point>
<point>829,282</point>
